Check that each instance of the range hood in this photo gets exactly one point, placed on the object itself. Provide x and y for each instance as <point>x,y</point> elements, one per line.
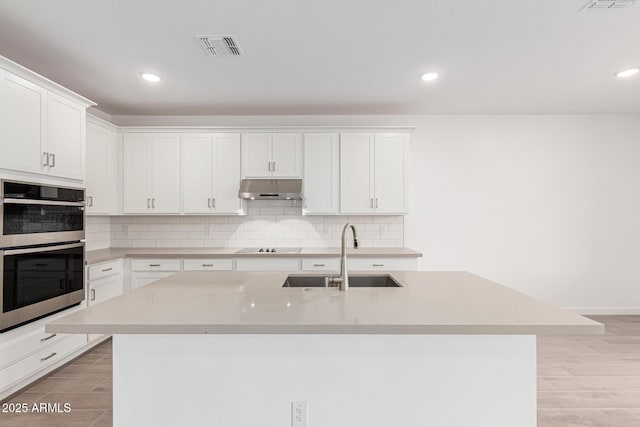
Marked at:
<point>270,189</point>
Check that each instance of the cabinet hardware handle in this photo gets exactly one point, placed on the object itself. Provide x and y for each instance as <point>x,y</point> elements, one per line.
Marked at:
<point>93,294</point>
<point>209,203</point>
<point>207,265</point>
<point>318,265</point>
<point>148,203</point>
<point>48,357</point>
<point>371,203</point>
<point>154,265</point>
<point>45,159</point>
<point>269,166</point>
<point>48,338</point>
<point>89,201</point>
<point>274,166</point>
<point>107,269</point>
<point>378,265</point>
<point>53,160</point>
<point>213,202</point>
<point>153,203</point>
<point>376,202</point>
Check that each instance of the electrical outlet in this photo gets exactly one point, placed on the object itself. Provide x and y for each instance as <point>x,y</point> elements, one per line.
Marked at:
<point>299,414</point>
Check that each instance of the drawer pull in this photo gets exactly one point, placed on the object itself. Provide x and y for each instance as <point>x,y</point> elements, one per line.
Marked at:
<point>93,294</point>
<point>207,265</point>
<point>154,265</point>
<point>378,265</point>
<point>318,265</point>
<point>48,338</point>
<point>48,357</point>
<point>107,269</point>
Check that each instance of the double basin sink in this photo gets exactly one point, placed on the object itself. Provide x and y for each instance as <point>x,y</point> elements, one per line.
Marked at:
<point>372,281</point>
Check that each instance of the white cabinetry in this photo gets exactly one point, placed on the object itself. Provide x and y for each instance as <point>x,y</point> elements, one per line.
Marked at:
<point>41,131</point>
<point>66,124</point>
<point>146,271</point>
<point>22,124</point>
<point>321,173</point>
<point>373,173</point>
<point>207,264</point>
<point>210,173</point>
<point>105,281</point>
<point>151,173</point>
<point>268,264</point>
<point>101,177</point>
<point>267,155</point>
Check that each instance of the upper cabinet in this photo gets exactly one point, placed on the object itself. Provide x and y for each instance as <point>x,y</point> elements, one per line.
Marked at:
<point>373,173</point>
<point>321,173</point>
<point>151,181</point>
<point>269,155</point>
<point>42,125</point>
<point>101,178</point>
<point>211,173</point>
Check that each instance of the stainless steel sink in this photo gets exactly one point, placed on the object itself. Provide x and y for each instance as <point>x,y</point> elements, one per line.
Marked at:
<point>377,281</point>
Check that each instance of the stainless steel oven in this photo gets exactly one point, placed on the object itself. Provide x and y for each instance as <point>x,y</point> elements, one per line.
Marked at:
<point>39,280</point>
<point>33,214</point>
<point>41,251</point>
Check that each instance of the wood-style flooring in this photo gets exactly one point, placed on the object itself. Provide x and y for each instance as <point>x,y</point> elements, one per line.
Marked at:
<point>582,381</point>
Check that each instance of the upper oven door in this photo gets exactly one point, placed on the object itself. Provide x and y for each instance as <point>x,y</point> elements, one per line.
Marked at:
<point>32,214</point>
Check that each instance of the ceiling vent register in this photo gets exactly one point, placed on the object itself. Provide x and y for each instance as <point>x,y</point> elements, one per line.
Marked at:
<point>608,4</point>
<point>220,45</point>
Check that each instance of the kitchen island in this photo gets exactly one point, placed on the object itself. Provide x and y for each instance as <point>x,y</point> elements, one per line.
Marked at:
<point>238,349</point>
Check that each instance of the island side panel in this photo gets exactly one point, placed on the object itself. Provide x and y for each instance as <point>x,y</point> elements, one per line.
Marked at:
<point>346,380</point>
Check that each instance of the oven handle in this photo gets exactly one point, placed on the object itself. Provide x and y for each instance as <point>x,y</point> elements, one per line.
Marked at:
<point>42,249</point>
<point>8,201</point>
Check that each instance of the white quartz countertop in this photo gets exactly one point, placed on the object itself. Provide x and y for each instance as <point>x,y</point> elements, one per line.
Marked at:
<point>102,255</point>
<point>255,303</point>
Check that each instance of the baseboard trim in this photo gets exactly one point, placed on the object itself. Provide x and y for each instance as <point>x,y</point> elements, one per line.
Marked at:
<point>605,311</point>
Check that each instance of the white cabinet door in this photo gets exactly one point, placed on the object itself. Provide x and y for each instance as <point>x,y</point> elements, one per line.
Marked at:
<point>390,178</point>
<point>226,173</point>
<point>321,173</point>
<point>197,173</point>
<point>22,117</point>
<point>104,289</point>
<point>137,180</point>
<point>166,174</point>
<point>65,137</point>
<point>256,155</point>
<point>356,173</point>
<point>101,178</point>
<point>287,155</point>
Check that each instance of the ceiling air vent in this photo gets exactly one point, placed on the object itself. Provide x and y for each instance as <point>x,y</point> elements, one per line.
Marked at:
<point>220,45</point>
<point>608,4</point>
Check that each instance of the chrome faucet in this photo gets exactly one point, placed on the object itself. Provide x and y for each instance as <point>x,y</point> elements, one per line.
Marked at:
<point>343,279</point>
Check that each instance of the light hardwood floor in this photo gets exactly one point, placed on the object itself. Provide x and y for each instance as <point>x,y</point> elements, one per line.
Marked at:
<point>582,381</point>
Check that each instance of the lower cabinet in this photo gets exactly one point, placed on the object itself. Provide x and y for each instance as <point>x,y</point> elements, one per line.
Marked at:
<point>146,271</point>
<point>268,264</point>
<point>28,350</point>
<point>105,281</point>
<point>208,264</point>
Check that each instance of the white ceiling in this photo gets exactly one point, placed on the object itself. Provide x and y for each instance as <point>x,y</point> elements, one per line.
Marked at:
<point>332,56</point>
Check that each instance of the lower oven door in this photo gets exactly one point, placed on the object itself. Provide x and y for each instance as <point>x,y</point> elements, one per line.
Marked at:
<point>37,281</point>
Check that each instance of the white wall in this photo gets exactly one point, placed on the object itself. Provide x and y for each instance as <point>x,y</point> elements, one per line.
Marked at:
<point>548,205</point>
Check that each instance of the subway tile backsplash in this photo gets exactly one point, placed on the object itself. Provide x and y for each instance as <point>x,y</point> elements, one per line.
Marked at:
<point>267,223</point>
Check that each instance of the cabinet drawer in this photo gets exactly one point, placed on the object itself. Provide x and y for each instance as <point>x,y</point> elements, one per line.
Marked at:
<point>385,264</point>
<point>272,264</point>
<point>207,264</point>
<point>321,264</point>
<point>25,344</point>
<point>155,265</point>
<point>105,269</point>
<point>41,359</point>
<point>104,289</point>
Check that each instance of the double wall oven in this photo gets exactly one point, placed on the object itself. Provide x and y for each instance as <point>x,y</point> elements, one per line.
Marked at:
<point>41,251</point>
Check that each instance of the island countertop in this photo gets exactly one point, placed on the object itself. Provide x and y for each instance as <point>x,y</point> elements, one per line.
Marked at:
<point>101,255</point>
<point>229,302</point>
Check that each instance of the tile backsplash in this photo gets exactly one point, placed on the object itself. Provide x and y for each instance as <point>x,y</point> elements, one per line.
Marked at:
<point>267,223</point>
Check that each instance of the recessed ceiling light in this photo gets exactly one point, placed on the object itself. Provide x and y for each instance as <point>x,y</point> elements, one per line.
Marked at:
<point>428,77</point>
<point>628,73</point>
<point>153,78</point>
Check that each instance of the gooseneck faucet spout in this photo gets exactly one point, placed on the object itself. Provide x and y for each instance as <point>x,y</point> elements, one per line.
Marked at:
<point>343,279</point>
